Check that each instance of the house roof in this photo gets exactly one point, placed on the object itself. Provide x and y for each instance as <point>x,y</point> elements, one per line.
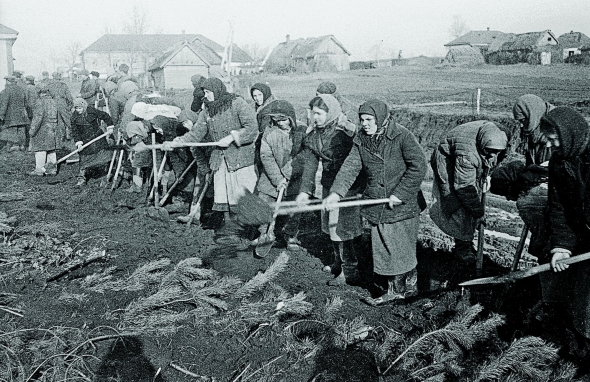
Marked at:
<point>303,48</point>
<point>6,30</point>
<point>573,40</point>
<point>476,38</point>
<point>525,40</point>
<point>155,43</point>
<point>197,47</point>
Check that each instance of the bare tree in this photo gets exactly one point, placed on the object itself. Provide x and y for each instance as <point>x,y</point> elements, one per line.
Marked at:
<point>71,53</point>
<point>138,21</point>
<point>458,27</point>
<point>255,51</point>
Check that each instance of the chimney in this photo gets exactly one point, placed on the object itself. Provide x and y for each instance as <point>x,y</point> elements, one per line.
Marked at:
<point>288,38</point>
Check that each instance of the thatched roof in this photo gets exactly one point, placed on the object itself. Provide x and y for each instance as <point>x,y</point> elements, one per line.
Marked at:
<point>304,48</point>
<point>464,54</point>
<point>6,30</point>
<point>157,43</point>
<point>202,51</point>
<point>524,41</point>
<point>573,40</point>
<point>478,38</point>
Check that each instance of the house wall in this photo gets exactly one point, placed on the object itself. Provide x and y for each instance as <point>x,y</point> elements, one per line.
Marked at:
<point>179,76</point>
<point>6,58</point>
<point>571,52</point>
<point>331,62</point>
<point>108,62</point>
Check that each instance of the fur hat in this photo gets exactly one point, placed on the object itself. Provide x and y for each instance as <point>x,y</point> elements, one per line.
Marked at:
<point>326,87</point>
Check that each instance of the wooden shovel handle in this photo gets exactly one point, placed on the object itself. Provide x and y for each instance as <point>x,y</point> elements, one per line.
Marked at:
<point>83,147</point>
<point>319,207</point>
<point>177,145</point>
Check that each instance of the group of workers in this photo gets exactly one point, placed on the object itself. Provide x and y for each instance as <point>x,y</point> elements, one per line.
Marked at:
<point>363,153</point>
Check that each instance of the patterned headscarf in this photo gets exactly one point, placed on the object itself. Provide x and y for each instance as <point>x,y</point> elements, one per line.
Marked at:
<point>223,100</point>
<point>572,129</point>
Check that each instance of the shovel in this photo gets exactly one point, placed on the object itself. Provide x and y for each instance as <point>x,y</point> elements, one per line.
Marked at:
<point>177,182</point>
<point>262,249</point>
<point>196,206</point>
<point>83,147</point>
<point>481,234</point>
<point>118,170</point>
<point>112,164</point>
<point>153,146</point>
<point>513,276</point>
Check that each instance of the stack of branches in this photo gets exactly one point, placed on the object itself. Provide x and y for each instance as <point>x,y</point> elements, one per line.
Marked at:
<point>467,348</point>
<point>192,292</point>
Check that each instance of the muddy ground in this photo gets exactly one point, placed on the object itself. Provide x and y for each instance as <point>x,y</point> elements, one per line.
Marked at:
<point>156,301</point>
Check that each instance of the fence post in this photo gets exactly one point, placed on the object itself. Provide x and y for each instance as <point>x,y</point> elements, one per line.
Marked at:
<point>478,99</point>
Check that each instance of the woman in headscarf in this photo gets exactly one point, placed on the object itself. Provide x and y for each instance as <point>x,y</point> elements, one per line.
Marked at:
<point>43,133</point>
<point>85,124</point>
<point>160,119</point>
<point>568,135</point>
<point>331,143</point>
<point>461,164</point>
<point>395,166</point>
<point>228,120</point>
<point>262,96</point>
<point>281,142</point>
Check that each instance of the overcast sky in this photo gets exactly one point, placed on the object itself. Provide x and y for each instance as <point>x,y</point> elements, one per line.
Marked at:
<point>416,27</point>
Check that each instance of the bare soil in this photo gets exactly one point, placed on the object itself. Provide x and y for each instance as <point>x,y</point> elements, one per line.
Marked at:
<point>253,338</point>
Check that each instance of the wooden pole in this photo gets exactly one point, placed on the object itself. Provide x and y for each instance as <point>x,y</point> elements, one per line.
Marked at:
<point>155,165</point>
<point>519,248</point>
<point>478,99</point>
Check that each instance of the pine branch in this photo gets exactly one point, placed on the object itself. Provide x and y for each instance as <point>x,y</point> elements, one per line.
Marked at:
<point>258,281</point>
<point>527,357</point>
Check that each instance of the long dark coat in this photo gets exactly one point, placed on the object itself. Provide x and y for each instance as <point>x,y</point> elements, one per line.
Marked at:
<point>44,125</point>
<point>395,165</point>
<point>65,102</point>
<point>85,127</point>
<point>13,104</point>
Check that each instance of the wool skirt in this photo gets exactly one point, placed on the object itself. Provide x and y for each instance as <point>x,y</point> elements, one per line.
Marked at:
<point>394,246</point>
<point>228,186</point>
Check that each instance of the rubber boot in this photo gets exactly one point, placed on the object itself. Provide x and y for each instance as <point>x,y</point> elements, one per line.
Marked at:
<point>51,165</point>
<point>349,272</point>
<point>137,182</point>
<point>399,287</point>
<point>465,252</point>
<point>40,159</point>
<point>336,267</point>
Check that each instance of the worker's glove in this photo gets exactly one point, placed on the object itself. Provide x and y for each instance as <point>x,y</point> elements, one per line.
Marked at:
<point>559,254</point>
<point>302,198</point>
<point>282,185</point>
<point>329,202</point>
<point>394,201</point>
<point>79,145</point>
<point>226,141</point>
<point>110,129</point>
<point>487,184</point>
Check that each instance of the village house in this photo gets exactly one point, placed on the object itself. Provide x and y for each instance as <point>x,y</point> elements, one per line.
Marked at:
<point>141,52</point>
<point>7,39</point>
<point>472,47</point>
<point>175,67</point>
<point>532,47</point>
<point>313,54</point>
<point>572,43</point>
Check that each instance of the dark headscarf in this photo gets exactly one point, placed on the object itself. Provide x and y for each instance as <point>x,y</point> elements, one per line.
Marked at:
<point>283,108</point>
<point>571,128</point>
<point>532,108</point>
<point>223,99</point>
<point>326,87</point>
<point>377,109</point>
<point>263,88</point>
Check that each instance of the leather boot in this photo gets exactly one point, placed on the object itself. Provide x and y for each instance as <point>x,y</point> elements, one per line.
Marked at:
<point>465,252</point>
<point>399,287</point>
<point>349,273</point>
<point>336,267</point>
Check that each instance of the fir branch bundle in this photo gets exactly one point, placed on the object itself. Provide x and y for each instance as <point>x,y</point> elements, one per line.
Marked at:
<point>527,359</point>
<point>349,332</point>
<point>263,278</point>
<point>295,305</point>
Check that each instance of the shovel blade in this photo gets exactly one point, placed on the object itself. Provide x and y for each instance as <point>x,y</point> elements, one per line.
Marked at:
<point>262,250</point>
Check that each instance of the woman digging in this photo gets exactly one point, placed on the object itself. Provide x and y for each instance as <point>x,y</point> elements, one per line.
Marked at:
<point>85,125</point>
<point>395,166</point>
<point>281,142</point>
<point>228,120</point>
<point>331,141</point>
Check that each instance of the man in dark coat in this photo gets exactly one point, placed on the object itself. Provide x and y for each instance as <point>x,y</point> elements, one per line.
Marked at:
<point>44,140</point>
<point>568,134</point>
<point>89,87</point>
<point>65,102</point>
<point>198,94</point>
<point>13,114</point>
